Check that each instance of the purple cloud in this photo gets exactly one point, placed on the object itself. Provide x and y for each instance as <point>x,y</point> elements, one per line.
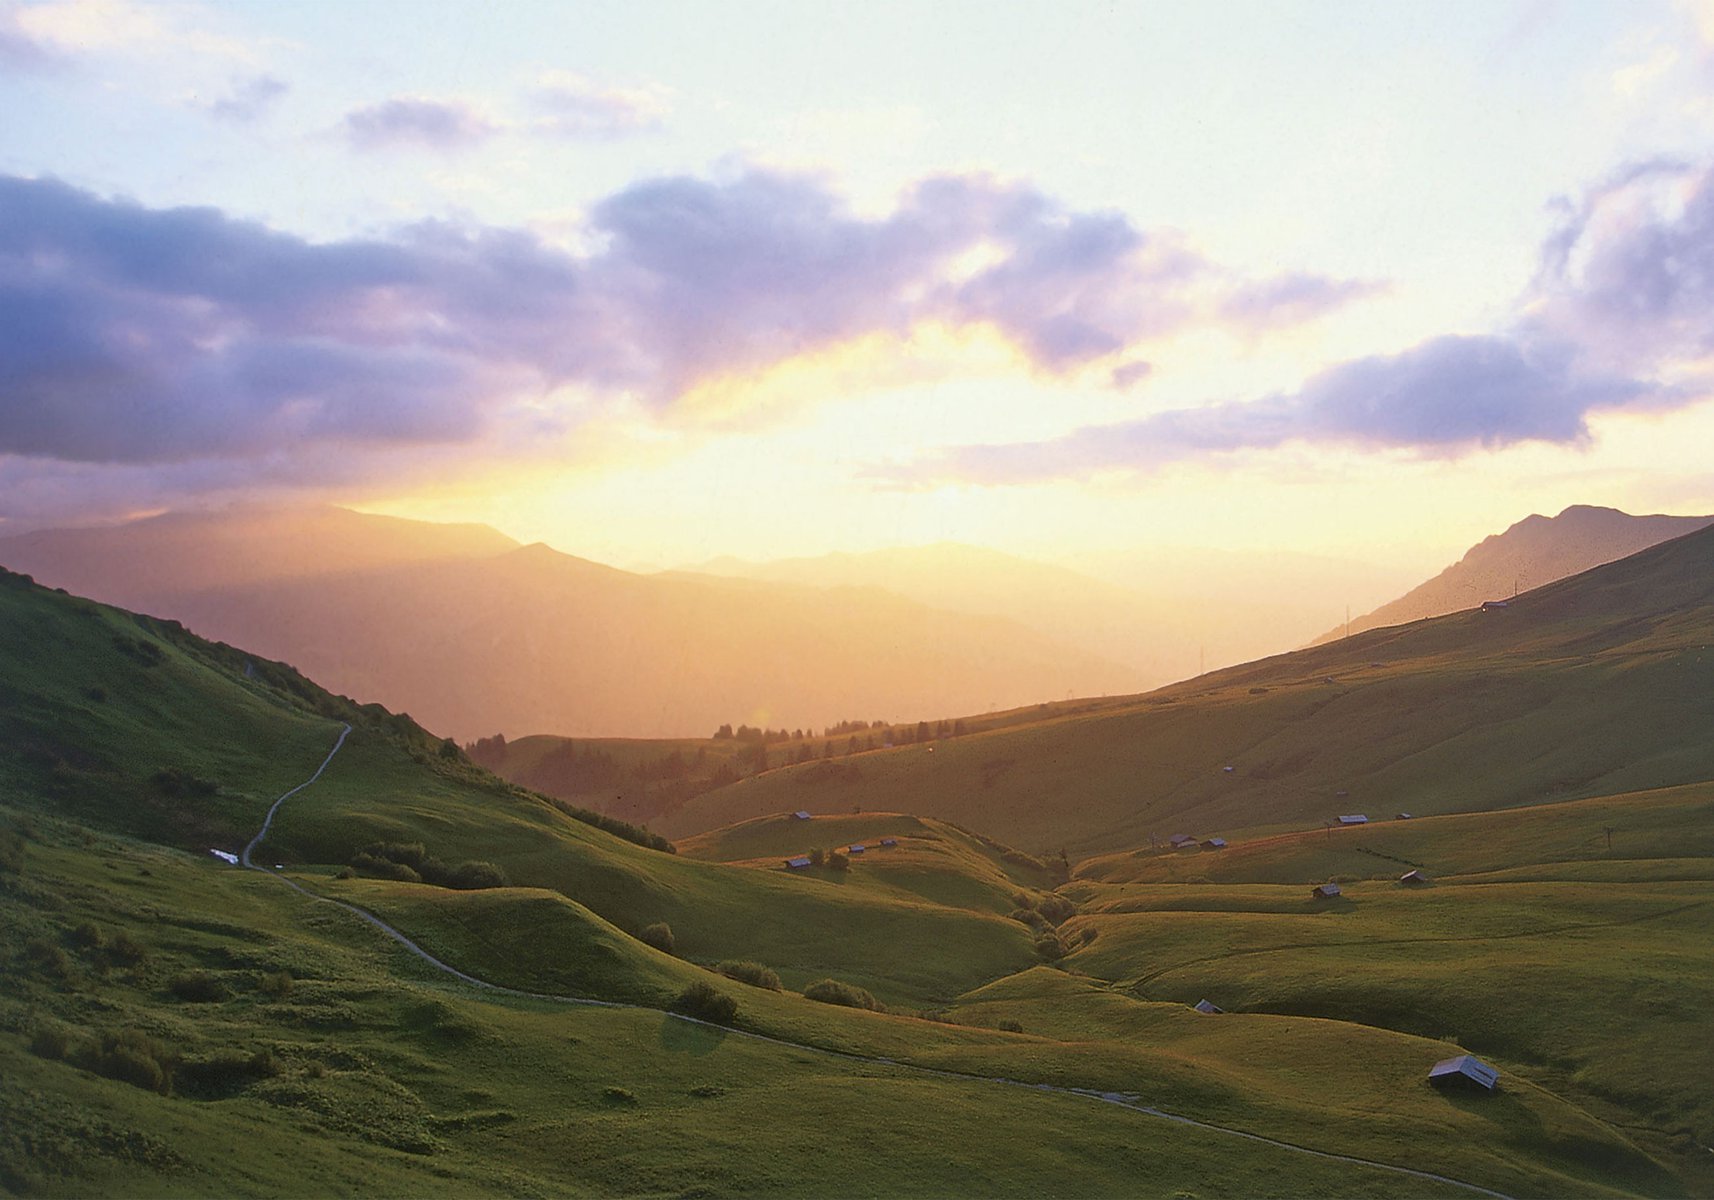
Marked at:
<point>414,123</point>
<point>1443,398</point>
<point>1292,300</point>
<point>249,99</point>
<point>573,107</point>
<point>1629,275</point>
<point>134,335</point>
<point>20,51</point>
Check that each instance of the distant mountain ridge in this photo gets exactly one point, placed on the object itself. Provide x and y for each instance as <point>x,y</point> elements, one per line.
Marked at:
<point>474,634</point>
<point>1535,551</point>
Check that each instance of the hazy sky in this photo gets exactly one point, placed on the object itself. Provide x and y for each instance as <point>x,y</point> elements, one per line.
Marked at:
<point>657,282</point>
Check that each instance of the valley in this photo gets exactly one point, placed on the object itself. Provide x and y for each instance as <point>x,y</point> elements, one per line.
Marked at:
<point>1041,1001</point>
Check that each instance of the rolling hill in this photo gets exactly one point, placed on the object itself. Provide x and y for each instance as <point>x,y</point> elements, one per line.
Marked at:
<point>1595,684</point>
<point>170,1024</point>
<point>1537,550</point>
<point>476,635</point>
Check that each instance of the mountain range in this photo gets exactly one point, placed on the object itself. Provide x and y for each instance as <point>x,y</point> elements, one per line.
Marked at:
<point>1537,550</point>
<point>474,634</point>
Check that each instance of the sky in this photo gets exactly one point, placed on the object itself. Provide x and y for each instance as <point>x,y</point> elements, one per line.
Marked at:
<point>660,282</point>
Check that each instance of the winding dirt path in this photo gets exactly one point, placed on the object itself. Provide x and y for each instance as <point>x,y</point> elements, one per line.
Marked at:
<point>1119,1099</point>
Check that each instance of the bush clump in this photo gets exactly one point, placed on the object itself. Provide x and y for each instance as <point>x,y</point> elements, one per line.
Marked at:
<point>226,1072</point>
<point>1057,909</point>
<point>176,781</point>
<point>705,1002</point>
<point>1049,947</point>
<point>197,987</point>
<point>659,935</point>
<point>130,1056</point>
<point>410,862</point>
<point>833,991</point>
<point>752,973</point>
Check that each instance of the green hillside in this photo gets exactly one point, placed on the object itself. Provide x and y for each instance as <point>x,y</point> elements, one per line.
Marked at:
<point>170,1024</point>
<point>1590,686</point>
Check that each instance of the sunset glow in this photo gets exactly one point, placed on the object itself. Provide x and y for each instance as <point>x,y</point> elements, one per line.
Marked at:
<point>1349,282</point>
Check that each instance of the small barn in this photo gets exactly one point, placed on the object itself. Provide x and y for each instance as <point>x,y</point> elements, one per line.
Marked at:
<point>1325,891</point>
<point>1208,1007</point>
<point>1214,844</point>
<point>1354,819</point>
<point>1413,877</point>
<point>225,856</point>
<point>800,815</point>
<point>1179,841</point>
<point>1491,605</point>
<point>1228,770</point>
<point>889,843</point>
<point>798,863</point>
<point>856,848</point>
<point>1465,1071</point>
<point>1403,817</point>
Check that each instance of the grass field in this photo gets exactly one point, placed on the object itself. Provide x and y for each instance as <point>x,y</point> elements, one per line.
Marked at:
<point>172,1025</point>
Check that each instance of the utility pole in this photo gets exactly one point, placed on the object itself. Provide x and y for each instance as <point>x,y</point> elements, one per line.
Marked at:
<point>1347,620</point>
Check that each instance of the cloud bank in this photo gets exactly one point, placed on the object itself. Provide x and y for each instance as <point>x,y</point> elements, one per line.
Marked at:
<point>134,335</point>
<point>1620,313</point>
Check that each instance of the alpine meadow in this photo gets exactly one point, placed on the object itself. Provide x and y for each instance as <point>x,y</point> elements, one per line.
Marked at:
<point>749,600</point>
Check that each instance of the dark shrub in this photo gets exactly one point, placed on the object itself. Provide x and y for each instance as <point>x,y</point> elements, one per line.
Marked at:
<point>618,1095</point>
<point>125,951</point>
<point>832,991</point>
<point>11,851</point>
<point>97,694</point>
<point>411,854</point>
<point>53,1041</point>
<point>277,984</point>
<point>49,960</point>
<point>197,987</point>
<point>706,1002</point>
<point>1086,934</point>
<point>226,1073</point>
<point>659,935</point>
<point>1057,909</point>
<point>130,1056</point>
<point>752,973</point>
<point>1049,947</point>
<point>381,868</point>
<point>176,781</point>
<point>1009,1026</point>
<point>838,861</point>
<point>469,876</point>
<point>88,936</point>
<point>1030,917</point>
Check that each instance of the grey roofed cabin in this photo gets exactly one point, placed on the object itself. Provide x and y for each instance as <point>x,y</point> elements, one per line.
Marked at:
<point>1208,1006</point>
<point>1325,891</point>
<point>856,848</point>
<point>1413,876</point>
<point>1180,839</point>
<point>1402,817</point>
<point>1354,819</point>
<point>889,841</point>
<point>798,863</point>
<point>1214,844</point>
<point>800,815</point>
<point>1466,1070</point>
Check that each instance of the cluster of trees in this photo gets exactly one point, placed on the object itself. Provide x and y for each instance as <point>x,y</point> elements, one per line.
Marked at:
<point>899,735</point>
<point>410,862</point>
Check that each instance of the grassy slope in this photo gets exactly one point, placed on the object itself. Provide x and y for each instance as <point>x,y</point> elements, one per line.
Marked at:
<point>385,1082</point>
<point>1590,686</point>
<point>455,1092</point>
<point>1587,969</point>
<point>932,861</point>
